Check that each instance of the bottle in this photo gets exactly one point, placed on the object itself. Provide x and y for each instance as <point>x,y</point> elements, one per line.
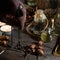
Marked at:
<point>56,49</point>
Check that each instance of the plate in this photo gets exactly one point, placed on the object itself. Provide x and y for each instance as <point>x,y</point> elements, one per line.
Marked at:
<point>1,23</point>
<point>6,28</point>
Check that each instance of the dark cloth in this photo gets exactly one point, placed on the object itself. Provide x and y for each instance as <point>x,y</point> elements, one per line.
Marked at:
<point>14,8</point>
<point>54,4</point>
<point>8,6</point>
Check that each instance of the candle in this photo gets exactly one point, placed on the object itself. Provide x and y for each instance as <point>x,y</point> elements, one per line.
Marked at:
<point>52,23</point>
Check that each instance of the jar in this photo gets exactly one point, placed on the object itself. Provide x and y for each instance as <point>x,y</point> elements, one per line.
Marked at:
<point>40,20</point>
<point>57,23</point>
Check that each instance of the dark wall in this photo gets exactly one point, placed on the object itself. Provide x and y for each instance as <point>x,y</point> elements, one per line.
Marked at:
<point>22,0</point>
<point>43,4</point>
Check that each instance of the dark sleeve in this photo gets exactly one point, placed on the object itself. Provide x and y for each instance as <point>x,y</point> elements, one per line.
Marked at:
<point>19,11</point>
<point>21,14</point>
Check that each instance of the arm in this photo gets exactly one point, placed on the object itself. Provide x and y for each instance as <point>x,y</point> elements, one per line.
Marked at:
<point>22,19</point>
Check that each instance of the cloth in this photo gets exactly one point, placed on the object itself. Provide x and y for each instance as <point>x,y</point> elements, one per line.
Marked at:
<point>11,7</point>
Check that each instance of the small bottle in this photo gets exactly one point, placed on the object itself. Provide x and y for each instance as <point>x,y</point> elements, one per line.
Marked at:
<point>45,37</point>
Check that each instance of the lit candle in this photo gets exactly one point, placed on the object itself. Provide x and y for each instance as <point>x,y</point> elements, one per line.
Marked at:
<point>52,23</point>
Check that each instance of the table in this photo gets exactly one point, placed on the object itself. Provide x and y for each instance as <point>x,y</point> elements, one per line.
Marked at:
<point>13,55</point>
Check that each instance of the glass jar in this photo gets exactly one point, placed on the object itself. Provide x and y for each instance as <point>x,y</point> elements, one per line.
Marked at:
<point>40,19</point>
<point>56,49</point>
<point>57,23</point>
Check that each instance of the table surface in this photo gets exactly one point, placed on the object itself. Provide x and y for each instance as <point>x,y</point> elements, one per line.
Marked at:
<point>25,39</point>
